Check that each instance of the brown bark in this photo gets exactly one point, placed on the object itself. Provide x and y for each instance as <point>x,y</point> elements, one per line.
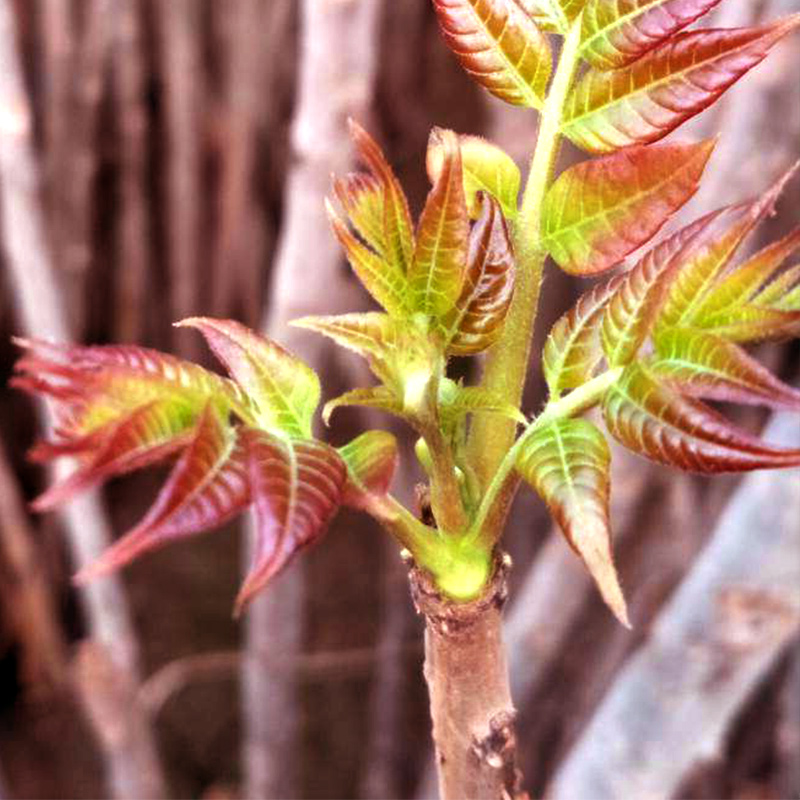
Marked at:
<point>467,677</point>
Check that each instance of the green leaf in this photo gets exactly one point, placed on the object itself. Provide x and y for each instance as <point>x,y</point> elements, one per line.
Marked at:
<point>371,460</point>
<point>790,300</point>
<point>476,321</point>
<point>645,101</point>
<point>778,293</point>
<point>461,400</point>
<point>751,323</point>
<point>285,390</point>
<point>742,285</point>
<point>440,256</point>
<point>702,365</point>
<point>651,418</point>
<point>499,46</point>
<point>383,279</point>
<point>634,308</point>
<point>567,463</point>
<point>573,350</point>
<point>370,334</point>
<point>601,210</point>
<point>614,34</point>
<point>709,255</point>
<point>486,168</point>
<point>561,13</point>
<point>539,14</point>
<point>396,242</point>
<point>296,488</point>
<point>375,397</point>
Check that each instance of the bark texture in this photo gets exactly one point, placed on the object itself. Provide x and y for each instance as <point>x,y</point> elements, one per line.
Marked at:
<point>467,677</point>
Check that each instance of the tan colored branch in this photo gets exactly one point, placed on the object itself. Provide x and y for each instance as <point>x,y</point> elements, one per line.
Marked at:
<point>709,649</point>
<point>467,677</point>
<point>28,596</point>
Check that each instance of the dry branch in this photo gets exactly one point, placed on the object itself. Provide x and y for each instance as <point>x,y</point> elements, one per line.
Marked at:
<point>41,314</point>
<point>28,597</point>
<point>708,650</point>
<point>337,72</point>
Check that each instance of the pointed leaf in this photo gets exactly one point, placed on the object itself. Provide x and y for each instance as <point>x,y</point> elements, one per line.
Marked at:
<point>710,255</point>
<point>285,389</point>
<point>741,286</point>
<point>634,308</point>
<point>651,418</point>
<point>776,292</point>
<point>145,436</point>
<point>383,279</point>
<point>462,400</point>
<point>666,86</point>
<point>573,350</point>
<point>567,463</point>
<point>599,211</point>
<point>702,365</point>
<point>371,463</point>
<point>486,168</point>
<point>499,46</point>
<point>751,323</point>
<point>296,488</point>
<point>368,334</point>
<point>437,273</point>
<point>614,34</point>
<point>476,321</point>
<point>790,300</point>
<point>397,241</point>
<point>206,488</point>
<point>376,397</point>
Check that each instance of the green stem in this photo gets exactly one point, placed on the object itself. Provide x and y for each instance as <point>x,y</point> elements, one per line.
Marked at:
<point>497,498</point>
<point>507,362</point>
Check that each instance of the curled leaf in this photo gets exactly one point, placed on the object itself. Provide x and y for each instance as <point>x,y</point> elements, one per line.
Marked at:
<point>376,397</point>
<point>643,102</point>
<point>476,320</point>
<point>499,46</point>
<point>371,460</point>
<point>600,210</point>
<point>486,168</point>
<point>651,418</point>
<point>567,463</point>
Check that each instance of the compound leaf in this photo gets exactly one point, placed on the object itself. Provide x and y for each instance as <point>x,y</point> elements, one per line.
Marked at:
<point>499,46</point>
<point>614,34</point>
<point>601,210</point>
<point>651,418</point>
<point>645,101</point>
<point>567,463</point>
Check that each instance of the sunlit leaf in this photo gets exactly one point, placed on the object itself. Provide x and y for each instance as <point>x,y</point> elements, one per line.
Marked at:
<point>600,210</point>
<point>633,310</point>
<point>206,488</point>
<point>567,463</point>
<point>614,33</point>
<point>499,45</point>
<point>296,488</point>
<point>285,389</point>
<point>486,168</point>
<point>538,13</point>
<point>742,285</point>
<point>750,323</point>
<point>666,86</point>
<point>561,13</point>
<point>375,397</point>
<point>476,320</point>
<point>784,292</point>
<point>573,350</point>
<point>396,243</point>
<point>461,400</point>
<point>649,417</point>
<point>383,279</point>
<point>440,256</point>
<point>371,460</point>
<point>708,256</point>
<point>703,365</point>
